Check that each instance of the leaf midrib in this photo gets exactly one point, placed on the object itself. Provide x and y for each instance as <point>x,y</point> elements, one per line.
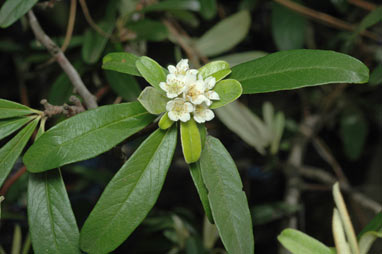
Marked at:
<point>50,210</point>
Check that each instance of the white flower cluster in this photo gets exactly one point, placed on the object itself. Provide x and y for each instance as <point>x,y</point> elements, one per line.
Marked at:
<point>190,93</point>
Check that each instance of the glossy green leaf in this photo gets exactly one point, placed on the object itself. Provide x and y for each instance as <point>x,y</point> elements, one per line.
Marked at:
<point>288,28</point>
<point>124,85</point>
<point>370,233</point>
<point>10,109</point>
<point>12,150</point>
<point>10,125</point>
<point>217,69</point>
<point>150,30</point>
<point>238,58</point>
<point>376,76</point>
<point>217,40</point>
<point>122,62</point>
<point>227,199</point>
<point>166,5</point>
<point>86,135</point>
<point>197,178</point>
<point>191,142</point>
<point>299,243</point>
<point>228,90</point>
<point>298,68</point>
<point>151,71</point>
<point>165,122</point>
<point>130,195</point>
<point>208,8</point>
<point>51,220</point>
<point>12,10</point>
<point>153,100</point>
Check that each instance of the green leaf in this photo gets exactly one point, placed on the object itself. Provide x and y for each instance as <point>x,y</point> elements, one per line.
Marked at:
<point>151,71</point>
<point>342,245</point>
<point>130,195</point>
<point>370,233</point>
<point>298,68</point>
<point>288,28</point>
<point>165,122</point>
<point>374,225</point>
<point>217,69</point>
<point>51,220</point>
<point>278,128</point>
<point>371,19</point>
<point>376,76</point>
<point>150,30</point>
<point>12,150</point>
<point>1,200</point>
<point>17,238</point>
<point>208,8</point>
<point>191,141</point>
<point>227,199</point>
<point>166,5</point>
<point>197,178</point>
<point>10,109</point>
<point>238,58</point>
<point>218,40</point>
<point>228,90</point>
<point>122,62</point>
<point>12,10</point>
<point>153,100</point>
<point>299,243</point>
<point>124,85</point>
<point>8,126</point>
<point>266,213</point>
<point>86,135</point>
<point>185,17</point>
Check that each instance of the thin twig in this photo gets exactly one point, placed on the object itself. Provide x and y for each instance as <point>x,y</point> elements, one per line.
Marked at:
<point>55,51</point>
<point>70,27</point>
<point>90,20</point>
<point>363,4</point>
<point>11,180</point>
<point>324,18</point>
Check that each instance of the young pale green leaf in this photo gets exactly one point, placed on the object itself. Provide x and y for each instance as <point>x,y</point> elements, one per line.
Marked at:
<point>10,109</point>
<point>370,233</point>
<point>217,40</point>
<point>10,125</point>
<point>86,135</point>
<point>165,122</point>
<point>153,100</point>
<point>94,43</point>
<point>52,223</point>
<point>17,238</point>
<point>227,199</point>
<point>238,58</point>
<point>122,62</point>
<point>217,69</point>
<point>166,5</point>
<point>124,85</point>
<point>299,243</point>
<point>12,10</point>
<point>151,71</point>
<point>342,245</point>
<point>248,126</point>
<point>208,8</point>
<point>228,90</point>
<point>150,30</point>
<point>191,141</point>
<point>130,195</point>
<point>288,28</point>
<point>197,178</point>
<point>12,150</point>
<point>298,68</point>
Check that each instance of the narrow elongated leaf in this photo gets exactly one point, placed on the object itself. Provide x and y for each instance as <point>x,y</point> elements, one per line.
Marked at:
<point>370,233</point>
<point>124,85</point>
<point>341,244</point>
<point>191,141</point>
<point>10,109</point>
<point>150,30</point>
<point>238,58</point>
<point>8,126</point>
<point>227,200</point>
<point>299,243</point>
<point>51,220</point>
<point>376,76</point>
<point>197,178</point>
<point>151,71</point>
<point>153,100</point>
<point>298,68</point>
<point>86,135</point>
<point>12,10</point>
<point>1,200</point>
<point>166,5</point>
<point>217,69</point>
<point>218,40</point>
<point>122,62</point>
<point>12,150</point>
<point>228,90</point>
<point>130,195</point>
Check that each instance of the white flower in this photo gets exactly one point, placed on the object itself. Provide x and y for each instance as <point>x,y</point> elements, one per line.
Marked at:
<point>179,109</point>
<point>202,113</point>
<point>210,95</point>
<point>195,92</point>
